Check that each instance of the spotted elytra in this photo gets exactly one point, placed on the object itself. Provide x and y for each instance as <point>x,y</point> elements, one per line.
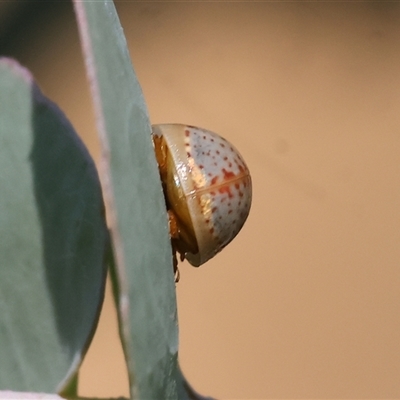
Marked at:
<point>207,188</point>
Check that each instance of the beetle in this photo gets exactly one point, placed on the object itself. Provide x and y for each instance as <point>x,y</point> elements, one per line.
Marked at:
<point>207,188</point>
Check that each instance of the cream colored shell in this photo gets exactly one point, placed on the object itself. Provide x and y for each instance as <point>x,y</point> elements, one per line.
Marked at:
<point>216,183</point>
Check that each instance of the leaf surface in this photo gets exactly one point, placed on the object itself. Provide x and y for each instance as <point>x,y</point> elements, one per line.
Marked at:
<point>143,279</point>
<point>53,237</point>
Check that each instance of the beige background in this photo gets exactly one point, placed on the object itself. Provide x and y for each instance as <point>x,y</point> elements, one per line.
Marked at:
<point>305,302</point>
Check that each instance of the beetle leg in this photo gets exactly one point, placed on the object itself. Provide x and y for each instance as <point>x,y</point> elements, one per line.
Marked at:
<point>177,275</point>
<point>173,225</point>
<point>175,264</point>
<point>174,233</point>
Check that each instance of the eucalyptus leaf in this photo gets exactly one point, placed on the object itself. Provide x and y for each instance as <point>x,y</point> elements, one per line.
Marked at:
<point>143,278</point>
<point>53,239</point>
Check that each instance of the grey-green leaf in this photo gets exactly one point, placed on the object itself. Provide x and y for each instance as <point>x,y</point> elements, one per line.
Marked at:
<point>53,239</point>
<point>136,207</point>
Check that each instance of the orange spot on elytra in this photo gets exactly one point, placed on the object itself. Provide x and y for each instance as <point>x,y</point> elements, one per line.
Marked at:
<point>225,189</point>
<point>214,180</point>
<point>228,174</point>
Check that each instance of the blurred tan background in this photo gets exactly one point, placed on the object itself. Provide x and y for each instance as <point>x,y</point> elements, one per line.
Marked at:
<point>305,303</point>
